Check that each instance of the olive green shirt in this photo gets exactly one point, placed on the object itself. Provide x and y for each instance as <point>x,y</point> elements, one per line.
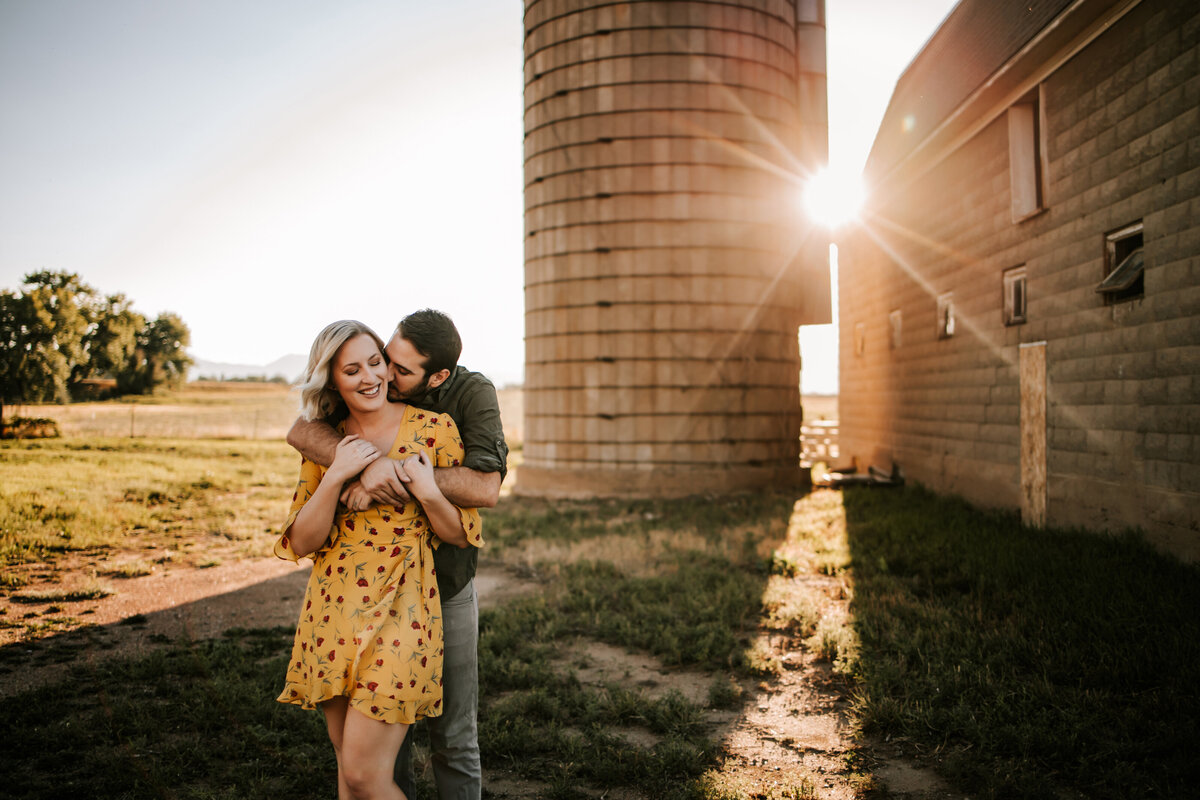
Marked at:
<point>470,399</point>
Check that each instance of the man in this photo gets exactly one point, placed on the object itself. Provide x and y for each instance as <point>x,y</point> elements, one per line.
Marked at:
<point>424,372</point>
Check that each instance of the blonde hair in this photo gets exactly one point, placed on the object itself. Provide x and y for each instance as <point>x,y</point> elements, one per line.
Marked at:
<point>318,397</point>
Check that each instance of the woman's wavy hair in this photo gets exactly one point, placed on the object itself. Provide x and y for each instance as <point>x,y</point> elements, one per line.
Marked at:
<point>318,397</point>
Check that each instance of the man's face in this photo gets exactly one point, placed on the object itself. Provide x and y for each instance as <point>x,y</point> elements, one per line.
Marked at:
<point>407,378</point>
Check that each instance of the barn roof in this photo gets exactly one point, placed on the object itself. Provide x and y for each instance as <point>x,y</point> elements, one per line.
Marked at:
<point>975,40</point>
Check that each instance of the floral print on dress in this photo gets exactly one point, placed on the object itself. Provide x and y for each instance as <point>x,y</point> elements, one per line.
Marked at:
<point>370,627</point>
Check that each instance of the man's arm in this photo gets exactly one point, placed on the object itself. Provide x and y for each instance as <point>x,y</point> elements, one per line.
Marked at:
<point>316,441</point>
<point>476,482</point>
<point>469,488</point>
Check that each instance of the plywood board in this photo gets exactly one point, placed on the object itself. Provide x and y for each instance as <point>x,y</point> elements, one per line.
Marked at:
<point>1033,433</point>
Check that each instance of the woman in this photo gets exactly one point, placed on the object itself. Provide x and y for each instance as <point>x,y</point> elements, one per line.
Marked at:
<point>368,648</point>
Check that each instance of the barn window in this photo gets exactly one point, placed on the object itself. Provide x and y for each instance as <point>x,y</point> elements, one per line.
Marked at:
<point>945,315</point>
<point>1027,156</point>
<point>1123,265</point>
<point>1014,296</point>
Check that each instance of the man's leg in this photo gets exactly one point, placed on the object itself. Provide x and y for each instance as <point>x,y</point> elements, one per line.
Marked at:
<point>454,737</point>
<point>403,774</point>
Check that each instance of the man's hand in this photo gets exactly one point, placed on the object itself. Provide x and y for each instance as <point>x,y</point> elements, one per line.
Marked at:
<point>380,482</point>
<point>354,497</point>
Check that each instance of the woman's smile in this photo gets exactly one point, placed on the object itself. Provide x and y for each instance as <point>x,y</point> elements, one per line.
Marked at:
<point>360,374</point>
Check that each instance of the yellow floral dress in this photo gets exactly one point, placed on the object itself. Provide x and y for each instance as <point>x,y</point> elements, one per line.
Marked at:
<point>371,625</point>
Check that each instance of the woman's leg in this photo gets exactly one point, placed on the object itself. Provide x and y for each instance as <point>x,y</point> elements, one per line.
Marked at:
<point>368,756</point>
<point>335,724</point>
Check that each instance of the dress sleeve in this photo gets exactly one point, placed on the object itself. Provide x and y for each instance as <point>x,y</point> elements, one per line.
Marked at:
<point>447,451</point>
<point>310,477</point>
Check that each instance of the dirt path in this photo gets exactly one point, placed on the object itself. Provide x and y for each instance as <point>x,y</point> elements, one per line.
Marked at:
<point>790,733</point>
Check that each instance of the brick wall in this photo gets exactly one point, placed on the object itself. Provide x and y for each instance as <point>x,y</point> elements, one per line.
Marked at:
<point>1122,143</point>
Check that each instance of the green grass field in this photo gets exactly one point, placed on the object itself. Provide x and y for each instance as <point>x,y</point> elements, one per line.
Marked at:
<point>202,410</point>
<point>1018,663</point>
<point>107,500</point>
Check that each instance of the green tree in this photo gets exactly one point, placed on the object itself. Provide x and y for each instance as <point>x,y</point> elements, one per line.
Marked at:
<point>161,357</point>
<point>113,341</point>
<point>17,322</point>
<point>64,308</point>
<point>59,330</point>
<point>41,333</point>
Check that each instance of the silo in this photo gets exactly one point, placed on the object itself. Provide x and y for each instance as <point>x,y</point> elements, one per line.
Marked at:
<point>667,267</point>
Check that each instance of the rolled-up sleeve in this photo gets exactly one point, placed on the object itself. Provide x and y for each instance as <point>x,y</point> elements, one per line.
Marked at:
<point>481,429</point>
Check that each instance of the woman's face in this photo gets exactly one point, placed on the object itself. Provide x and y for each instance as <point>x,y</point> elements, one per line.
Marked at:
<point>360,374</point>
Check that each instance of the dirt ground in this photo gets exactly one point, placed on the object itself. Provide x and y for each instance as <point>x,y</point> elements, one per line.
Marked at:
<point>790,732</point>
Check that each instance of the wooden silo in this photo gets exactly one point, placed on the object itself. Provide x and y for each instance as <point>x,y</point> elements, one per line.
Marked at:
<point>667,266</point>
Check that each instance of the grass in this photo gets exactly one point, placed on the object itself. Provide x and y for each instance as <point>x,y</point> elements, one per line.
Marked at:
<point>1025,663</point>
<point>679,580</point>
<point>91,590</point>
<point>188,720</point>
<point>107,497</point>
<point>207,409</point>
<point>196,719</point>
<point>203,409</point>
<point>1019,663</point>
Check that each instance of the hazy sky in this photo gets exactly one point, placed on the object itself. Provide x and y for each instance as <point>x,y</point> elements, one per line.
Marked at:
<point>262,168</point>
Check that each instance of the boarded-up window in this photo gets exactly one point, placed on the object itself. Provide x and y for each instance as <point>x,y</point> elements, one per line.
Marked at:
<point>1025,158</point>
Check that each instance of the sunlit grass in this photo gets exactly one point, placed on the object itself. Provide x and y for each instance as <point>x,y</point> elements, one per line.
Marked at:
<point>231,410</point>
<point>1019,663</point>
<point>102,495</point>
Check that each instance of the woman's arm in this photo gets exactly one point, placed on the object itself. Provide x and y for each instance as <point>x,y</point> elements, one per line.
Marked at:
<point>443,515</point>
<point>310,529</point>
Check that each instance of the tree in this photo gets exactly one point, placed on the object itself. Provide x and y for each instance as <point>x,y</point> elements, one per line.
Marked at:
<point>16,324</point>
<point>113,341</point>
<point>64,307</point>
<point>161,357</point>
<point>58,330</point>
<point>33,367</point>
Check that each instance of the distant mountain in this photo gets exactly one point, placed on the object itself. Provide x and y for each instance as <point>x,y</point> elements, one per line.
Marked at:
<point>290,367</point>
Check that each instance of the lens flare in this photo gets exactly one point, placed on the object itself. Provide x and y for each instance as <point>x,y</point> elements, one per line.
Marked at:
<point>833,198</point>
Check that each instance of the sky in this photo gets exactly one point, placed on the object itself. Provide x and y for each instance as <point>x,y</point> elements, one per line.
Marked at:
<point>264,168</point>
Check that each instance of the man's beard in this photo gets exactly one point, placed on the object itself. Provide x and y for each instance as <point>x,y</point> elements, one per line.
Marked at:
<point>394,396</point>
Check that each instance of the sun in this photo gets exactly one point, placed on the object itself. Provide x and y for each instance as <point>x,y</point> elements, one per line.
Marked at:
<point>832,198</point>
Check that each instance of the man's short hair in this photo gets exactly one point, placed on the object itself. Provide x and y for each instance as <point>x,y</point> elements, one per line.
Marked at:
<point>434,336</point>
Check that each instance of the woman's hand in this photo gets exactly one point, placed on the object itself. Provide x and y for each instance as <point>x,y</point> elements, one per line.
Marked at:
<point>352,454</point>
<point>418,470</point>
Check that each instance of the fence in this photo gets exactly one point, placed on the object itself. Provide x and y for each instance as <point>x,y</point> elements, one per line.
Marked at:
<point>818,442</point>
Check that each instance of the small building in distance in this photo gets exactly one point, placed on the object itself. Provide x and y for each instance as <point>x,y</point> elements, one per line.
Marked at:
<point>1020,302</point>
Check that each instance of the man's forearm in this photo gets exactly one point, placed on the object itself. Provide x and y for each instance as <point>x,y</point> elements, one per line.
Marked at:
<point>316,441</point>
<point>468,488</point>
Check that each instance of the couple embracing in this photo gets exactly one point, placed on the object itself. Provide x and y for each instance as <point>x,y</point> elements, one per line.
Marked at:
<point>401,445</point>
